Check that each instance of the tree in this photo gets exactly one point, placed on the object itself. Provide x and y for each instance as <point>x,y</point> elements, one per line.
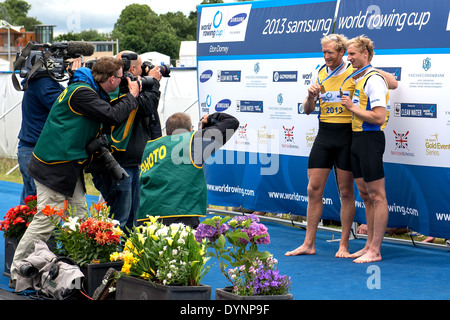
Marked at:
<point>86,35</point>
<point>15,12</point>
<point>140,29</point>
<point>135,27</point>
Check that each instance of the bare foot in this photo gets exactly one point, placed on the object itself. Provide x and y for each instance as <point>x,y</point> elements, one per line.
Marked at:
<point>342,253</point>
<point>358,254</point>
<point>429,240</point>
<point>369,256</point>
<point>301,251</point>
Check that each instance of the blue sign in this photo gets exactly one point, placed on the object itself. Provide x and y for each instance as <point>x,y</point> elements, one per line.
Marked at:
<point>400,24</point>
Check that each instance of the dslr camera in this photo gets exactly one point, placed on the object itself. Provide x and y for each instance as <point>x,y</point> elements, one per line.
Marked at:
<point>98,148</point>
<point>147,81</point>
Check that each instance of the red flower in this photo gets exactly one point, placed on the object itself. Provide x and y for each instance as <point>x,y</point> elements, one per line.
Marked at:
<point>18,218</point>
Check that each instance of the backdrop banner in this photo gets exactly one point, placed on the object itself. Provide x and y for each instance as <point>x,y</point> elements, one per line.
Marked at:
<point>257,60</point>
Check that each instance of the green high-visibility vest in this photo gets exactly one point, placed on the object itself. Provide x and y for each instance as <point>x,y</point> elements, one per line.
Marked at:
<point>171,184</point>
<point>119,136</point>
<point>66,132</point>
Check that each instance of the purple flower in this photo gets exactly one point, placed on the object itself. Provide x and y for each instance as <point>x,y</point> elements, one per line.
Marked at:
<point>254,230</point>
<point>205,231</point>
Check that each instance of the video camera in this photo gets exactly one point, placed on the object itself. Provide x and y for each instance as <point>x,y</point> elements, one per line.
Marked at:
<point>45,60</point>
<point>147,81</point>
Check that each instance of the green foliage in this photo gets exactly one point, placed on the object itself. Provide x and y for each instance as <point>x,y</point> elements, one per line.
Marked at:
<point>138,28</point>
<point>86,35</point>
<point>163,254</point>
<point>15,12</point>
<point>141,30</point>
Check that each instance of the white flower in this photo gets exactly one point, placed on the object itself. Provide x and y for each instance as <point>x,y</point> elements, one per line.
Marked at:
<point>72,223</point>
<point>162,232</point>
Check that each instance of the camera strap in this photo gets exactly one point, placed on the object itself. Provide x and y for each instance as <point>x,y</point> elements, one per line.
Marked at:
<point>20,61</point>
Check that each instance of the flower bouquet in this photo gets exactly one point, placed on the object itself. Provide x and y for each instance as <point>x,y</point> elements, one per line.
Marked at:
<point>90,239</point>
<point>168,255</point>
<point>18,218</point>
<point>253,272</point>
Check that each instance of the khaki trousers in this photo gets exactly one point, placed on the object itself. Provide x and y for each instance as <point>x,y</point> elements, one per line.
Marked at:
<point>42,227</point>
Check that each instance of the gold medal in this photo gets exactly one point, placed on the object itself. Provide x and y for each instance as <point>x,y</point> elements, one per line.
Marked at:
<point>322,89</point>
<point>341,93</point>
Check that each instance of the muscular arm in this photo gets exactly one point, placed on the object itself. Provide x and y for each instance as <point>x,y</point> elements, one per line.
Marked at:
<point>376,91</point>
<point>390,79</point>
<point>377,115</point>
<point>309,104</point>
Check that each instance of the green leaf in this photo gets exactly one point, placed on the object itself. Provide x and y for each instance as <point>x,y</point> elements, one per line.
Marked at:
<point>221,241</point>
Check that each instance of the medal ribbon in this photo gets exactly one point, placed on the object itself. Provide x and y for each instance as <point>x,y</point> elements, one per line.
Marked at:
<point>331,74</point>
<point>354,74</point>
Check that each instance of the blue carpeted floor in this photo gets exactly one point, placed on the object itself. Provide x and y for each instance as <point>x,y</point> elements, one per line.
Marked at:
<point>406,272</point>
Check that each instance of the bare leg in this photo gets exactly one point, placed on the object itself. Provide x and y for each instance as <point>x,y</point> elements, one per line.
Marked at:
<point>377,195</point>
<point>369,216</point>
<point>316,185</point>
<point>345,181</point>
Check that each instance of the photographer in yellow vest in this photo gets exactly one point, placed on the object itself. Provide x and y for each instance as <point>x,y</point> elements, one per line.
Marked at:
<point>173,184</point>
<point>60,154</point>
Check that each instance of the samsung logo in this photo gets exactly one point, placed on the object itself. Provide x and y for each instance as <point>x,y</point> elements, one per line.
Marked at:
<point>223,105</point>
<point>205,76</point>
<point>237,19</point>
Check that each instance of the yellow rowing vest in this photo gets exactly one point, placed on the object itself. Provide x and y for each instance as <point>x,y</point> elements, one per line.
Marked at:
<point>331,109</point>
<point>361,100</point>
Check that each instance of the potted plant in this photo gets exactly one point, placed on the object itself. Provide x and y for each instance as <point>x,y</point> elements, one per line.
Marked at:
<point>162,263</point>
<point>88,241</point>
<point>253,274</point>
<point>15,223</point>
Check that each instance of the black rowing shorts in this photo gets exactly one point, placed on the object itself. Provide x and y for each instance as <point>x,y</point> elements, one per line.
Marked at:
<point>367,155</point>
<point>332,147</point>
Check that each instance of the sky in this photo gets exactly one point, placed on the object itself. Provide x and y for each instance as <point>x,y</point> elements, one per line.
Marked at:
<point>78,15</point>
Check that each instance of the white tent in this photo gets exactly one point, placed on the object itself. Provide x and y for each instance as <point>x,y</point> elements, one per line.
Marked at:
<point>188,54</point>
<point>4,65</point>
<point>178,94</point>
<point>10,115</point>
<point>156,58</point>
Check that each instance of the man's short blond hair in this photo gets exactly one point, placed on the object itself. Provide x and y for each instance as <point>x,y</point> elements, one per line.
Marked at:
<point>339,40</point>
<point>362,43</point>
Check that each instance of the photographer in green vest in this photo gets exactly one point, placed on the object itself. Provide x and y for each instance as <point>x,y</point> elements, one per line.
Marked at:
<point>173,184</point>
<point>60,154</point>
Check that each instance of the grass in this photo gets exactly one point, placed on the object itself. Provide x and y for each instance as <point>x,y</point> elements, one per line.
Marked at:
<point>7,164</point>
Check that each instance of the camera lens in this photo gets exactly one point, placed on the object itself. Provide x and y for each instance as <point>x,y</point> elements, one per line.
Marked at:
<point>28,271</point>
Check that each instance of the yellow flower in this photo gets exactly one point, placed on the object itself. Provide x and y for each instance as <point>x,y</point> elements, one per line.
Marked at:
<point>151,229</point>
<point>128,246</point>
<point>117,231</point>
<point>169,241</point>
<point>153,219</point>
<point>126,268</point>
<point>115,256</point>
<point>141,238</point>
